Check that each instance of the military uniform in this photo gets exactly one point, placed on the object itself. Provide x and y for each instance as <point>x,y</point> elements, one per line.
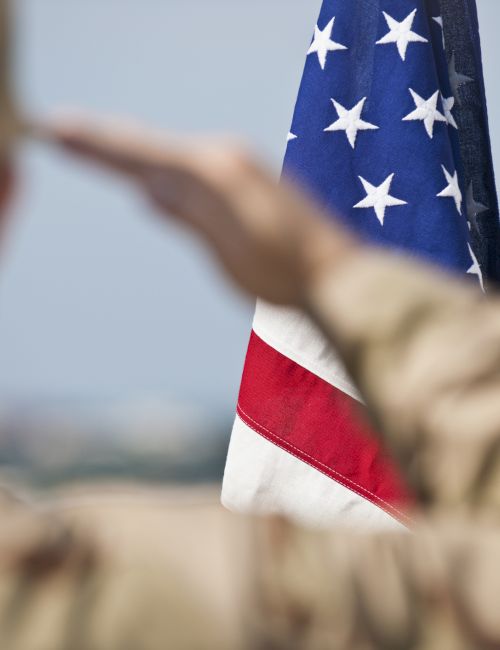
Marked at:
<point>151,571</point>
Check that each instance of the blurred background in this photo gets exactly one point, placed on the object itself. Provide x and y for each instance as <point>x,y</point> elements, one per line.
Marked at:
<point>121,345</point>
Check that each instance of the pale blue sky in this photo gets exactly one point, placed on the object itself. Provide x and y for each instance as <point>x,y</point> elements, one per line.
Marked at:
<point>99,300</point>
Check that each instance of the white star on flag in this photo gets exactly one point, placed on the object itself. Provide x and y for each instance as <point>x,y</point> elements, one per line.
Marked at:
<point>439,21</point>
<point>401,33</point>
<point>323,43</point>
<point>448,103</point>
<point>291,136</point>
<point>452,189</point>
<point>426,110</point>
<point>378,197</point>
<point>350,121</point>
<point>475,269</point>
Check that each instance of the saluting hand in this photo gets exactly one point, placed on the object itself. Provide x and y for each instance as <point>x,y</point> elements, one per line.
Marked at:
<point>270,238</point>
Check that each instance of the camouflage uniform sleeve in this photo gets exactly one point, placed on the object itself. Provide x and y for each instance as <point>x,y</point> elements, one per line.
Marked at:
<point>133,571</point>
<point>424,350</point>
<point>160,575</point>
<point>46,571</point>
<point>437,588</point>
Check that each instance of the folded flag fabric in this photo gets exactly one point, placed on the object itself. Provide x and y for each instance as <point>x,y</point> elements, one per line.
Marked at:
<point>390,132</point>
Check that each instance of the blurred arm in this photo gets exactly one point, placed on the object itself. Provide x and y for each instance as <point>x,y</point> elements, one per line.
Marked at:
<point>423,348</point>
<point>436,588</point>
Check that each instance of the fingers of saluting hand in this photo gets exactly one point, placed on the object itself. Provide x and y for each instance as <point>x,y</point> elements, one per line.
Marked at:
<point>146,154</point>
<point>165,167</point>
<point>129,146</point>
<point>175,171</point>
<point>115,143</point>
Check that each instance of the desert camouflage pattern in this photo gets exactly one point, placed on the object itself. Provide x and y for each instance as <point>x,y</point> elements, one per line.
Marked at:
<point>143,568</point>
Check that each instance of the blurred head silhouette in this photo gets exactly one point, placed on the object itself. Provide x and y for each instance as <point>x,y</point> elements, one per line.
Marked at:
<point>8,114</point>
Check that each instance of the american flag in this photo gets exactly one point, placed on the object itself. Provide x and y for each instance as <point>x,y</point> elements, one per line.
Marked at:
<point>390,132</point>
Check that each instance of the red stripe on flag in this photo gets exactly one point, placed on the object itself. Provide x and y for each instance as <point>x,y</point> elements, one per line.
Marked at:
<point>319,424</point>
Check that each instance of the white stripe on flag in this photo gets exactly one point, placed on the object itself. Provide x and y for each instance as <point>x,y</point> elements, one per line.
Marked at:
<point>293,334</point>
<point>262,478</point>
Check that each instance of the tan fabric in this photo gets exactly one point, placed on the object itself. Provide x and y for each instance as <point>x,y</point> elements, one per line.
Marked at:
<point>425,352</point>
<point>435,590</point>
<point>153,570</point>
<point>143,570</point>
<point>160,575</point>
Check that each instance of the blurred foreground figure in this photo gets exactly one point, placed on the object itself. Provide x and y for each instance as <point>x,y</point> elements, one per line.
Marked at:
<point>146,572</point>
<point>425,352</point>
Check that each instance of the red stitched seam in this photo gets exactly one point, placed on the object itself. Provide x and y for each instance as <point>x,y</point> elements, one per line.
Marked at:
<point>273,438</point>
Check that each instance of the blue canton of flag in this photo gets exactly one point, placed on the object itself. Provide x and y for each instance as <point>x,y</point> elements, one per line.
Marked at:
<point>390,129</point>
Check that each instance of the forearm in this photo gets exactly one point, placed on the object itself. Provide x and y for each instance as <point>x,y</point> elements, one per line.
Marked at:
<point>416,344</point>
<point>425,352</point>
